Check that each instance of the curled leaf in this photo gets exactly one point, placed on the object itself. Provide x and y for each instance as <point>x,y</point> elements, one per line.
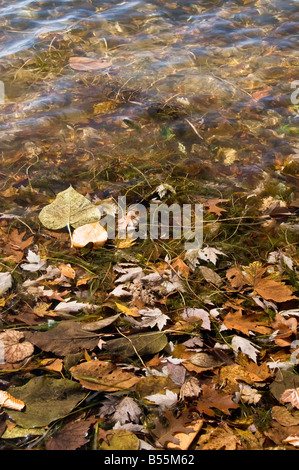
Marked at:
<point>8,401</point>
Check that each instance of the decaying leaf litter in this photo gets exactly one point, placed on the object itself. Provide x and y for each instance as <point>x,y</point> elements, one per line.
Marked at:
<point>140,344</point>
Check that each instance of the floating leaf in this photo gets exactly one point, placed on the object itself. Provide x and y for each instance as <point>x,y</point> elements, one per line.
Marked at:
<point>68,209</point>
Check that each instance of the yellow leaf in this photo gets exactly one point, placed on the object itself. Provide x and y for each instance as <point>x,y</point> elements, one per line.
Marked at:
<point>132,312</point>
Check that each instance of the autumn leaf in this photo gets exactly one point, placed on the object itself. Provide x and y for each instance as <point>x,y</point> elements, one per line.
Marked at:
<point>87,64</point>
<point>235,277</point>
<point>8,401</point>
<point>291,395</point>
<point>69,209</point>
<point>245,323</point>
<point>212,398</point>
<point>72,436</point>
<point>103,376</point>
<point>212,206</point>
<point>15,348</point>
<point>89,233</point>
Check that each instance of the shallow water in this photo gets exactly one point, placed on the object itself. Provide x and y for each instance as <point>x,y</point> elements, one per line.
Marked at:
<point>191,89</point>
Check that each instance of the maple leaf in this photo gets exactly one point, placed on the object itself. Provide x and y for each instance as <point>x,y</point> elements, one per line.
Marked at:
<point>246,346</point>
<point>34,263</point>
<point>245,323</point>
<point>267,287</point>
<point>212,398</point>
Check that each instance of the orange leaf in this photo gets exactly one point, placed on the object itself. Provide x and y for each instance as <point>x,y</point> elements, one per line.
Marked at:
<point>89,233</point>
<point>8,401</point>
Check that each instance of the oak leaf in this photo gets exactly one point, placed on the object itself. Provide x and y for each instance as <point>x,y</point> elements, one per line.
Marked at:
<point>212,398</point>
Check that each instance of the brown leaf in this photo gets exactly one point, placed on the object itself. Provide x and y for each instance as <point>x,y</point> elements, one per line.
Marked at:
<point>220,438</point>
<point>167,432</point>
<point>15,348</point>
<point>273,290</point>
<point>72,436</point>
<point>245,323</point>
<point>87,64</point>
<point>103,376</point>
<point>68,337</point>
<point>212,205</point>
<point>235,277</point>
<point>212,398</point>
<point>286,328</point>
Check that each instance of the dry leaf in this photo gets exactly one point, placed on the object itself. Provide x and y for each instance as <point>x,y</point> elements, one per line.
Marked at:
<point>15,348</point>
<point>67,270</point>
<point>103,376</point>
<point>293,440</point>
<point>212,398</point>
<point>291,395</point>
<point>235,277</point>
<point>8,401</point>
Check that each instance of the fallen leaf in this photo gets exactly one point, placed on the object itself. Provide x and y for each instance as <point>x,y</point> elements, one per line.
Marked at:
<point>220,438</point>
<point>69,209</point>
<point>164,400</point>
<point>103,376</point>
<point>5,282</point>
<point>87,64</point>
<point>212,398</point>
<point>245,323</point>
<point>15,348</point>
<point>8,401</point>
<point>293,440</point>
<point>246,346</point>
<point>291,395</point>
<point>67,270</point>
<point>142,343</point>
<point>120,439</point>
<point>47,399</point>
<point>235,277</point>
<point>89,233</point>
<point>72,436</point>
<point>34,263</point>
<point>68,337</point>
<point>127,411</point>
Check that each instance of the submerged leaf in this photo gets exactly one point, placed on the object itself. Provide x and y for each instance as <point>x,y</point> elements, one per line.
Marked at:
<point>47,399</point>
<point>69,209</point>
